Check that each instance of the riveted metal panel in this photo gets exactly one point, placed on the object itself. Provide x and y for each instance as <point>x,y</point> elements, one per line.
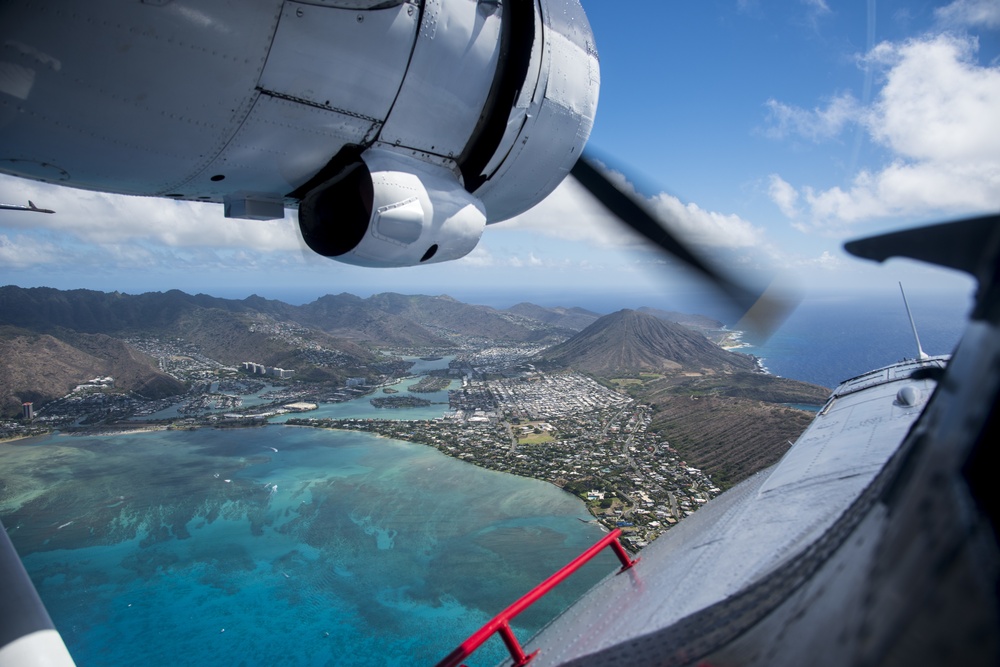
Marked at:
<point>349,60</point>
<point>280,146</point>
<point>449,77</point>
<point>128,97</point>
<point>555,126</point>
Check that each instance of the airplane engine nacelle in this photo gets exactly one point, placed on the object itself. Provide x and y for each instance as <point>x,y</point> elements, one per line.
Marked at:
<point>391,210</point>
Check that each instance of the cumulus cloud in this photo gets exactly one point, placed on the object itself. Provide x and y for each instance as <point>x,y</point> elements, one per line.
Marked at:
<point>825,262</point>
<point>22,252</point>
<point>937,104</point>
<point>707,228</point>
<point>903,189</point>
<point>101,218</point>
<point>970,13</point>
<point>531,261</point>
<point>784,195</point>
<point>571,213</point>
<point>816,124</point>
<point>479,257</point>
<point>936,114</point>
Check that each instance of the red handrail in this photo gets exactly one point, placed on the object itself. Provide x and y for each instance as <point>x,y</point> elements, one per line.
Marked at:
<point>501,622</point>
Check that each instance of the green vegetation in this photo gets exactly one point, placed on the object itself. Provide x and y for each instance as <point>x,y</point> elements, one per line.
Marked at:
<point>400,402</point>
<point>430,383</point>
<point>535,438</point>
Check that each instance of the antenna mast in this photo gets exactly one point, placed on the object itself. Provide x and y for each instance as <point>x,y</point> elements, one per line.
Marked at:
<point>920,351</point>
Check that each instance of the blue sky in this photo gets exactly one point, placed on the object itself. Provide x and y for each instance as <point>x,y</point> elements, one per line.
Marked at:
<point>769,132</point>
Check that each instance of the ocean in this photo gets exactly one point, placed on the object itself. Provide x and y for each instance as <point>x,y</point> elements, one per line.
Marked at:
<point>340,548</point>
<point>209,547</point>
<point>830,339</point>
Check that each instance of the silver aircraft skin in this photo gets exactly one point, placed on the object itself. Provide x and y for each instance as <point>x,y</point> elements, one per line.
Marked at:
<point>756,528</point>
<point>398,128</point>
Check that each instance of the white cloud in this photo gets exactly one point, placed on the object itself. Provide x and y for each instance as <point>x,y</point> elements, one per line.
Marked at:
<point>970,13</point>
<point>819,5</point>
<point>784,195</point>
<point>937,104</point>
<point>814,124</point>
<point>22,252</point>
<point>826,262</point>
<point>937,115</point>
<point>903,189</point>
<point>572,213</point>
<point>97,217</point>
<point>479,257</point>
<point>707,228</point>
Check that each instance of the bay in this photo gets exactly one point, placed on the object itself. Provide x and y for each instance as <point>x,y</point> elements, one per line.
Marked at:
<point>362,408</point>
<point>208,547</point>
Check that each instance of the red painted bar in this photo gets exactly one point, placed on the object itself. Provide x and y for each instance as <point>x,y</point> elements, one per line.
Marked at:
<point>501,622</point>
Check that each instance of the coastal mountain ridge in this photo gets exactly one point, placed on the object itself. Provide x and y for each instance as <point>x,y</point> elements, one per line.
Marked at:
<point>382,320</point>
<point>714,406</point>
<point>575,319</point>
<point>47,335</point>
<point>692,321</point>
<point>41,367</point>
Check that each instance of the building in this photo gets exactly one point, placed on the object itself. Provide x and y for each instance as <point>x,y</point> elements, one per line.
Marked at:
<point>260,369</point>
<point>355,382</point>
<point>254,368</point>
<point>27,411</point>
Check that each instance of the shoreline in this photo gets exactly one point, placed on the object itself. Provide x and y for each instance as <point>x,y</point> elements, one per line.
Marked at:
<point>112,432</point>
<point>731,341</point>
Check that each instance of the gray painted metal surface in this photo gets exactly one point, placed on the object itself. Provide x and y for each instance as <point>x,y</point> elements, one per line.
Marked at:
<point>756,544</point>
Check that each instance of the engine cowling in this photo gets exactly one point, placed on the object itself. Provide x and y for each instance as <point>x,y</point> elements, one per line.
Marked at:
<point>459,151</point>
<point>551,119</point>
<point>387,209</point>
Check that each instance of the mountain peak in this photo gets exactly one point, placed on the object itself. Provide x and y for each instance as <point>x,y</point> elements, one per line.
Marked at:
<point>629,341</point>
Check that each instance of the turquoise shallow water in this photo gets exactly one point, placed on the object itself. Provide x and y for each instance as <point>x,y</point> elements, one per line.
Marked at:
<point>340,548</point>
<point>362,408</point>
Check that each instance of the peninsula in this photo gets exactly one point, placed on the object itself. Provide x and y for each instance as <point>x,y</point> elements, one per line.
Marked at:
<point>642,417</point>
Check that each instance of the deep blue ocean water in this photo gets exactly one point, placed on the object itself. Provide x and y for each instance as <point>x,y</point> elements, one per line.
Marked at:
<point>830,339</point>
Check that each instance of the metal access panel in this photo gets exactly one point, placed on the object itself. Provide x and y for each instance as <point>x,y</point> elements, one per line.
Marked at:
<point>349,60</point>
<point>280,146</point>
<point>126,96</point>
<point>449,78</point>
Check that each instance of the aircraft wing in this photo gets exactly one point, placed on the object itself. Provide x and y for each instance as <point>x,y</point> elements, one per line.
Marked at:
<point>733,562</point>
<point>874,541</point>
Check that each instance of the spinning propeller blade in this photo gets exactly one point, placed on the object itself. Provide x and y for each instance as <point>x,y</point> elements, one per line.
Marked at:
<point>763,312</point>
